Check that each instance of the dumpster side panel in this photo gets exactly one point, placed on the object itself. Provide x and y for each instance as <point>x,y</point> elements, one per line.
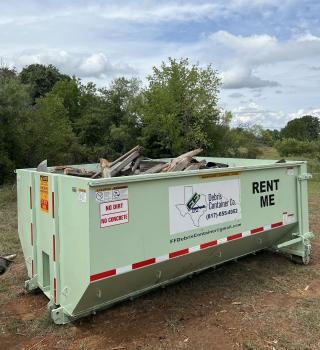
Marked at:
<point>73,240</point>
<point>147,232</point>
<point>25,219</point>
<point>142,238</point>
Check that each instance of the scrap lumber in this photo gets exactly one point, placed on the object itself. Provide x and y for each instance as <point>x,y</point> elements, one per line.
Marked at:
<point>78,172</point>
<point>180,164</point>
<point>115,169</point>
<point>60,167</point>
<point>156,168</point>
<point>147,164</point>
<point>136,148</point>
<point>179,159</point>
<point>136,164</point>
<point>105,168</point>
<point>132,163</point>
<point>196,165</point>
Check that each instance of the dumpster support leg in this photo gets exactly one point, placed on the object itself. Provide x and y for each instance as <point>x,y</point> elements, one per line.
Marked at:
<point>299,248</point>
<point>59,316</point>
<point>31,284</point>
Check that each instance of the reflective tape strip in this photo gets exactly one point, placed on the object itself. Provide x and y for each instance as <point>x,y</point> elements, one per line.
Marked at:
<point>178,253</point>
<point>162,258</point>
<point>31,233</point>
<point>123,269</point>
<point>257,230</point>
<point>143,263</point>
<point>236,236</point>
<point>222,240</point>
<point>54,253</point>
<point>277,224</point>
<point>101,275</point>
<point>30,195</point>
<point>52,202</point>
<point>54,290</point>
<point>194,249</point>
<point>209,244</point>
<point>32,268</point>
<point>54,248</point>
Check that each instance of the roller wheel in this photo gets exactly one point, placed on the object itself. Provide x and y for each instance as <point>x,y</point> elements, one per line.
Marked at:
<point>303,260</point>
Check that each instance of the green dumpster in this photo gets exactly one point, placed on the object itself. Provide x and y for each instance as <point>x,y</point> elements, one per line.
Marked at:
<point>90,243</point>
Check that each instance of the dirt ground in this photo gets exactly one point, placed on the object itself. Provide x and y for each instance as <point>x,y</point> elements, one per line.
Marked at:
<point>260,302</point>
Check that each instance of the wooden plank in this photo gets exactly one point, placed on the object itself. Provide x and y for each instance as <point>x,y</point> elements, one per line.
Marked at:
<point>181,164</point>
<point>183,156</point>
<point>155,169</point>
<point>114,170</point>
<point>136,148</point>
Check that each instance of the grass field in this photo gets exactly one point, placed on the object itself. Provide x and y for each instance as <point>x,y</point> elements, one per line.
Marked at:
<point>260,302</point>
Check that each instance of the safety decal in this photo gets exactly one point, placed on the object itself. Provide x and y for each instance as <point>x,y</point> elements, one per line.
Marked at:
<point>44,193</point>
<point>114,206</point>
<point>204,204</point>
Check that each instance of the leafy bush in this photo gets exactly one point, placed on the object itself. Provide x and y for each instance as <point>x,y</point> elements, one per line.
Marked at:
<point>293,147</point>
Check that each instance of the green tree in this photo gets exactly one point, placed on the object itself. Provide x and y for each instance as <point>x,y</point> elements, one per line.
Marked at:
<point>305,128</point>
<point>50,133</point>
<point>40,79</point>
<point>13,103</point>
<point>69,90</point>
<point>109,124</point>
<point>7,74</point>
<point>123,100</point>
<point>179,107</point>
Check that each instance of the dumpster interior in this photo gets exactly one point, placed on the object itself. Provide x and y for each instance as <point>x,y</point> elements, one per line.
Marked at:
<point>135,163</point>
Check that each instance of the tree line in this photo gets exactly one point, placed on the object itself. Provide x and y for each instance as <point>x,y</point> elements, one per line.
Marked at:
<point>45,114</point>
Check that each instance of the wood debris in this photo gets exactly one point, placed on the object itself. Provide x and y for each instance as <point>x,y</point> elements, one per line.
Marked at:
<point>134,163</point>
<point>5,261</point>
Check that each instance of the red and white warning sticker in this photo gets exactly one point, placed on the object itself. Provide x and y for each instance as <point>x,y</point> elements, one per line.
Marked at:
<point>114,210</point>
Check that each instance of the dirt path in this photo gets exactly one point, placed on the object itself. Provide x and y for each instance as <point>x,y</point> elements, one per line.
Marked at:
<point>261,302</point>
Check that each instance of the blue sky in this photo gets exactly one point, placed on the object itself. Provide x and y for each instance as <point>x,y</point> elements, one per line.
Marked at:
<point>267,52</point>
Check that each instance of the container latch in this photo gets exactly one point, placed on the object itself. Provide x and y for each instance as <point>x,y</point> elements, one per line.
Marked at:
<point>305,176</point>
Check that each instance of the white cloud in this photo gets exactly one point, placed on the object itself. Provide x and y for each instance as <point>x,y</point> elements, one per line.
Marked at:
<point>253,113</point>
<point>94,65</point>
<point>236,95</point>
<point>151,11</point>
<point>301,112</point>
<point>265,49</point>
<point>242,77</point>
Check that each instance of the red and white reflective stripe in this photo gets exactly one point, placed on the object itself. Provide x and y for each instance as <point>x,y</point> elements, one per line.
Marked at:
<point>31,232</point>
<point>178,253</point>
<point>30,195</point>
<point>52,202</point>
<point>54,248</point>
<point>54,251</point>
<point>54,290</point>
<point>54,264</point>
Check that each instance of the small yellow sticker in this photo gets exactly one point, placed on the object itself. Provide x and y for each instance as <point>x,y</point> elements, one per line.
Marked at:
<point>44,196</point>
<point>208,176</point>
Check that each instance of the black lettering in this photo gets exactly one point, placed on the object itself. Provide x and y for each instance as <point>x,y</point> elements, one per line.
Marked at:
<point>271,199</point>
<point>262,186</point>
<point>264,201</point>
<point>276,183</point>
<point>255,187</point>
<point>269,185</point>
